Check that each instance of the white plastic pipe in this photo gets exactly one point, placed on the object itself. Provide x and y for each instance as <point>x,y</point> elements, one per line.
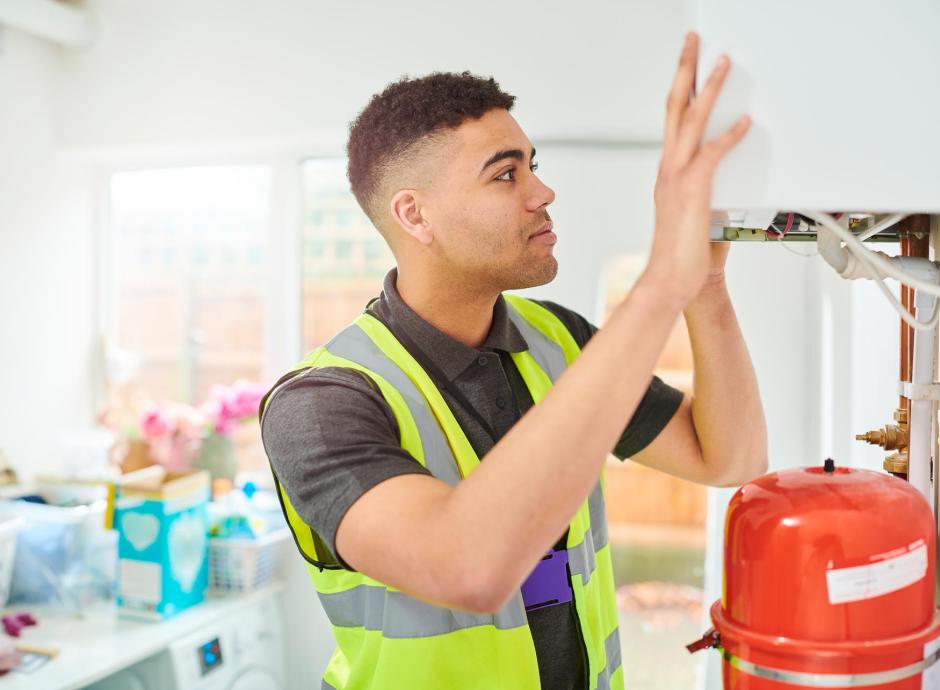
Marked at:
<point>831,249</point>
<point>70,26</point>
<point>921,423</point>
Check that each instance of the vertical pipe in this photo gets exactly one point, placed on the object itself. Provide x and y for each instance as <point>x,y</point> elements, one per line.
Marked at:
<point>920,446</point>
<point>904,359</point>
<point>923,359</point>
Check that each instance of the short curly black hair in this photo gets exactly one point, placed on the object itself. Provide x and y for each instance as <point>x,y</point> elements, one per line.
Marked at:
<point>407,113</point>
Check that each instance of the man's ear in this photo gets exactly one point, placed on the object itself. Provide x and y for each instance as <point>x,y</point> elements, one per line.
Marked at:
<point>406,212</point>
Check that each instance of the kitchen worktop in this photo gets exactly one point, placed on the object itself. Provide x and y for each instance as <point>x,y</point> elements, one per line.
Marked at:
<point>99,642</point>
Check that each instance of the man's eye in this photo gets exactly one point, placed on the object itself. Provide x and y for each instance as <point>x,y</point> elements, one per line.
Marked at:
<point>510,175</point>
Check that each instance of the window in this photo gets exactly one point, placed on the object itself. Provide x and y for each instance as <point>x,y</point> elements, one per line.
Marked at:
<point>188,281</point>
<point>344,257</point>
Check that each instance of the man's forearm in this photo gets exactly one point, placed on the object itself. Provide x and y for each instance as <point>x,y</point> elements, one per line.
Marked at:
<point>532,482</point>
<point>725,390</point>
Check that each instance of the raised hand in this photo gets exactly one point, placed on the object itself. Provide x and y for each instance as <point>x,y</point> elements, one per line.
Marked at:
<point>681,260</point>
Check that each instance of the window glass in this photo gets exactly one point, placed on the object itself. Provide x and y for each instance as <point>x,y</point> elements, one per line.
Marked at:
<point>344,256</point>
<point>189,280</point>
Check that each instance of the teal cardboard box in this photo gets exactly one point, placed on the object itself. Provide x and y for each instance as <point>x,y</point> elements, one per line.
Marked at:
<point>163,565</point>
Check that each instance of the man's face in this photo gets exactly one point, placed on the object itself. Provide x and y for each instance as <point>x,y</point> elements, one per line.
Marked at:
<point>488,209</point>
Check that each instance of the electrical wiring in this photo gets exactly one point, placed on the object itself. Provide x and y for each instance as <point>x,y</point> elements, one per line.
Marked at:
<point>881,225</point>
<point>879,268</point>
<point>777,233</point>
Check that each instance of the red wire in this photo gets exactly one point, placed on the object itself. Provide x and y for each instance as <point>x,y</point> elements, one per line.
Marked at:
<point>790,218</point>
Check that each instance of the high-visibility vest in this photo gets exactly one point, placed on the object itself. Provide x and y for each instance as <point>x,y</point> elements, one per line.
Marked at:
<point>389,640</point>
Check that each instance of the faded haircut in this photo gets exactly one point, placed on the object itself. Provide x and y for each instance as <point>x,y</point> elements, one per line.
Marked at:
<point>404,118</point>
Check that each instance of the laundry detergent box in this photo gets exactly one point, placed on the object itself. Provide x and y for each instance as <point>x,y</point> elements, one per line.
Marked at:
<point>162,524</point>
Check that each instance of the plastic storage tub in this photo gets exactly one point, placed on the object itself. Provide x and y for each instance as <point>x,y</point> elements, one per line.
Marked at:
<point>64,553</point>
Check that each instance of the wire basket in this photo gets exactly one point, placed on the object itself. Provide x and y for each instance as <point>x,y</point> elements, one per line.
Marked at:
<point>242,565</point>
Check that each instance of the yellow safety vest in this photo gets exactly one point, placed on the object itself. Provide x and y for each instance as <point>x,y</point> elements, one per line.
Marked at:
<point>389,640</point>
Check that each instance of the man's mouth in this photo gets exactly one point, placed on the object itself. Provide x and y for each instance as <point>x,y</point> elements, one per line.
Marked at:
<point>544,234</point>
<point>547,226</point>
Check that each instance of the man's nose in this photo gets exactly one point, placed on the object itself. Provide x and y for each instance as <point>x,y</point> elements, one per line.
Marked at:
<point>542,195</point>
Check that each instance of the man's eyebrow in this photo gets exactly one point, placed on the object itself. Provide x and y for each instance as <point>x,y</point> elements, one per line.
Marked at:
<point>515,154</point>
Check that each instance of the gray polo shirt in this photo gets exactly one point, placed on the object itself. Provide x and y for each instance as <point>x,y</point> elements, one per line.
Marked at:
<point>330,437</point>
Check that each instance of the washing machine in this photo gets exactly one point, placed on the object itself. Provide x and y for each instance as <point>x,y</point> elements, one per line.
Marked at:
<point>243,650</point>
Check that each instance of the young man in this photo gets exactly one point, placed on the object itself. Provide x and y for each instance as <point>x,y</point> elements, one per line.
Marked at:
<point>456,530</point>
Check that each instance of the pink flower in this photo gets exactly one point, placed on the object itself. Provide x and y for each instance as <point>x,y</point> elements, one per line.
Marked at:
<point>154,424</point>
<point>225,427</point>
<point>248,397</point>
<point>227,400</point>
<point>190,421</point>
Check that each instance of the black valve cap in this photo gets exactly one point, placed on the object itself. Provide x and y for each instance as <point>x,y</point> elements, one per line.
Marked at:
<point>829,466</point>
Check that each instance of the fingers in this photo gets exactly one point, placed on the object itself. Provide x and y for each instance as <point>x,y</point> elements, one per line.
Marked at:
<point>713,151</point>
<point>681,90</point>
<point>693,124</point>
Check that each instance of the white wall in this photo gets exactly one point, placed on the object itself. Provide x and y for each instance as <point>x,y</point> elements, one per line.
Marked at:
<point>224,70</point>
<point>46,265</point>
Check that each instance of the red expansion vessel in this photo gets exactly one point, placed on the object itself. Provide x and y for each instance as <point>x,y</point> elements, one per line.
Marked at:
<point>828,583</point>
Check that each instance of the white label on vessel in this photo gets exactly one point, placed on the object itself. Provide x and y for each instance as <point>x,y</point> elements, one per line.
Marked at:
<point>889,573</point>
<point>930,680</point>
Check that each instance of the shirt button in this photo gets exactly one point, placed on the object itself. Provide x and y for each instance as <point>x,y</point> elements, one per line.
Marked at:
<point>481,360</point>
<point>500,403</point>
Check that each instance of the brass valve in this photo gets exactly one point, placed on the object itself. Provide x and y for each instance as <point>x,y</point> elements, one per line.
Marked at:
<point>896,464</point>
<point>891,437</point>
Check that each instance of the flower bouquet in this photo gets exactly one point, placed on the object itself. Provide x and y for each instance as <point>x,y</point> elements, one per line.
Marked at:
<point>181,436</point>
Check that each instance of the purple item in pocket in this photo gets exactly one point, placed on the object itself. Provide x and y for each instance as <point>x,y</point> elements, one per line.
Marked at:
<point>548,584</point>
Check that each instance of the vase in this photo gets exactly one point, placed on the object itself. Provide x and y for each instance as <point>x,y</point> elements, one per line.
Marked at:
<point>217,456</point>
<point>136,456</point>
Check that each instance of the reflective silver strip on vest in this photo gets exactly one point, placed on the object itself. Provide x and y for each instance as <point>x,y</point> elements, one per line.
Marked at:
<point>398,615</point>
<point>830,680</point>
<point>598,512</point>
<point>547,353</point>
<point>612,650</point>
<point>354,344</point>
<point>326,686</point>
<point>581,558</point>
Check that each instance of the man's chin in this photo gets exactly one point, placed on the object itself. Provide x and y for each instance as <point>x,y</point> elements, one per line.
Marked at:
<point>535,275</point>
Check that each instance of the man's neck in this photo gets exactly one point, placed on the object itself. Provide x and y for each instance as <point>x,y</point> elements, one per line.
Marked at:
<point>466,315</point>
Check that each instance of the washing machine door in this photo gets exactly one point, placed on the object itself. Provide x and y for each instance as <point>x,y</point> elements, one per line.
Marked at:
<point>255,678</point>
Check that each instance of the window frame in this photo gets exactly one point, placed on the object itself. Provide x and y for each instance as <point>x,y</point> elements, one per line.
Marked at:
<point>283,294</point>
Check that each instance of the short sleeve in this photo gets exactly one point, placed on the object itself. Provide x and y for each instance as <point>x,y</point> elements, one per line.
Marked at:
<point>330,437</point>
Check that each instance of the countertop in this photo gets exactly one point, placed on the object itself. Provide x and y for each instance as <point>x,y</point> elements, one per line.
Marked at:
<point>99,642</point>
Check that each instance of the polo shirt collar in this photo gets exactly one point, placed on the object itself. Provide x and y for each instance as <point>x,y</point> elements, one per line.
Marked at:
<point>451,356</point>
